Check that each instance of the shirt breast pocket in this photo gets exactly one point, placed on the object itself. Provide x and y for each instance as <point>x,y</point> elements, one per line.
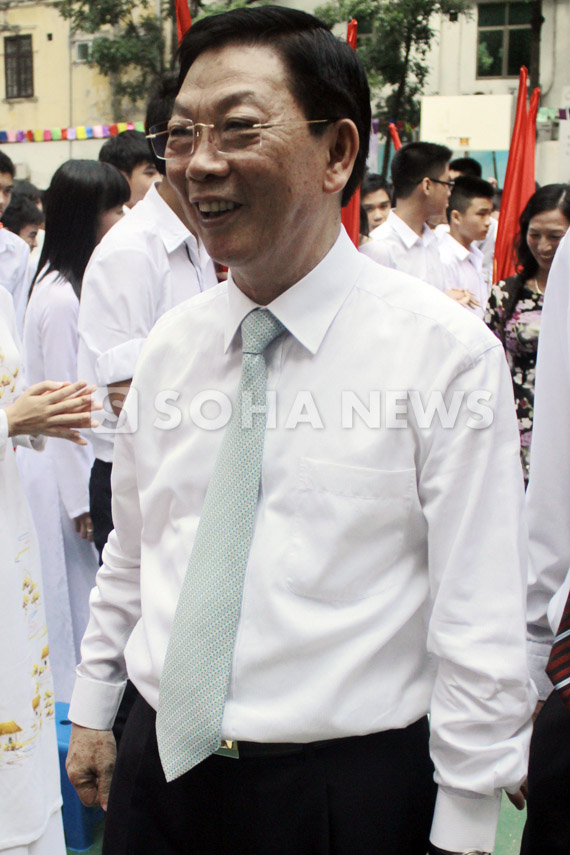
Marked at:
<point>348,529</point>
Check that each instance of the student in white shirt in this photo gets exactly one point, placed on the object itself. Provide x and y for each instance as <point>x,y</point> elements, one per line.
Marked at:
<point>146,265</point>
<point>385,575</point>
<point>420,175</point>
<point>469,214</point>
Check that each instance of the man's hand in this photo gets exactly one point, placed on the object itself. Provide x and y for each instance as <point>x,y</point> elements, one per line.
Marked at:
<point>90,763</point>
<point>519,798</point>
<point>84,526</point>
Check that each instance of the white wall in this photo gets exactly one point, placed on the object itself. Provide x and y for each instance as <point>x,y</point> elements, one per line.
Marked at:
<point>37,161</point>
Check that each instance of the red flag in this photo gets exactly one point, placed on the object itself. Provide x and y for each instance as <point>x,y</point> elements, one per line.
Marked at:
<point>395,136</point>
<point>519,179</point>
<point>183,19</point>
<point>350,214</point>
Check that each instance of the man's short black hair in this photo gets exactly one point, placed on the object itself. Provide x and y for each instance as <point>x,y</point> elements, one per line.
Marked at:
<point>415,161</point>
<point>21,212</point>
<point>27,190</point>
<point>373,182</point>
<point>465,190</point>
<point>6,165</point>
<point>159,109</point>
<point>125,151</point>
<point>467,166</point>
<point>325,75</point>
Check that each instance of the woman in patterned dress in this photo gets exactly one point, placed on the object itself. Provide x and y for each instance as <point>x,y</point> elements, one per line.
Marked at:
<point>30,799</point>
<point>515,305</point>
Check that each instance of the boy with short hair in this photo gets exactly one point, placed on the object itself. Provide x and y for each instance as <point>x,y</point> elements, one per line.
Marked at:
<point>130,153</point>
<point>469,214</point>
<point>24,219</point>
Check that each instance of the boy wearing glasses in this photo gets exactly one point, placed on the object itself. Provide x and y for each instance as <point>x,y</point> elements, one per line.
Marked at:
<point>420,175</point>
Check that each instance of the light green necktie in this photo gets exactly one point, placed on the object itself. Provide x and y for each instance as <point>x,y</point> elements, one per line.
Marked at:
<point>196,672</point>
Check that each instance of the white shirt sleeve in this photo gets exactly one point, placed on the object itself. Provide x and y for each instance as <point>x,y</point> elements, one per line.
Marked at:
<point>118,310</point>
<point>478,703</point>
<point>548,496</point>
<point>115,601</point>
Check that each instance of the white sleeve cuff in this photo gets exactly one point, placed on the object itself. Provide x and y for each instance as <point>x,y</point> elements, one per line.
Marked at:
<point>26,440</point>
<point>465,821</point>
<point>538,654</point>
<point>119,363</point>
<point>94,704</point>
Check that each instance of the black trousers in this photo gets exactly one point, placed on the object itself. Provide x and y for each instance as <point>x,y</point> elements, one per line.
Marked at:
<point>547,829</point>
<point>368,795</point>
<point>100,503</point>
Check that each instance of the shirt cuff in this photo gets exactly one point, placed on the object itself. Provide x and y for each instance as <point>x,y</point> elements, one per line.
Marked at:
<point>538,654</point>
<point>465,821</point>
<point>26,440</point>
<point>119,363</point>
<point>94,704</point>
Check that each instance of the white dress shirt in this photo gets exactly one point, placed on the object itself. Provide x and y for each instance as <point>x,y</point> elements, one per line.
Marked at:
<point>463,268</point>
<point>548,495</point>
<point>394,244</point>
<point>146,264</point>
<point>15,272</point>
<point>386,575</point>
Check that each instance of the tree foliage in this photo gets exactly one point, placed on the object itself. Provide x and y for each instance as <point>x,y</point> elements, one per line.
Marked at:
<point>395,37</point>
<point>130,45</point>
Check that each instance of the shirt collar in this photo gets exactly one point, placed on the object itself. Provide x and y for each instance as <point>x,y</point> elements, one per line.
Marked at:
<point>169,226</point>
<point>308,308</point>
<point>456,248</point>
<point>407,235</point>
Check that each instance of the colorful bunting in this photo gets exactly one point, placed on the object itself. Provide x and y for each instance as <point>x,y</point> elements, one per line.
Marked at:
<point>80,132</point>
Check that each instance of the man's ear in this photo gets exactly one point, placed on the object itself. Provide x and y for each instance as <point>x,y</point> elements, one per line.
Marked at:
<point>343,144</point>
<point>455,217</point>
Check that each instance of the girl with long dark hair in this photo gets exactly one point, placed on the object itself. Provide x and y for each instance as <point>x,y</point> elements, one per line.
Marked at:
<point>514,307</point>
<point>85,198</point>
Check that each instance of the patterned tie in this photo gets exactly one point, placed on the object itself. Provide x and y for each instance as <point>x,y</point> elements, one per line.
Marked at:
<point>196,673</point>
<point>558,668</point>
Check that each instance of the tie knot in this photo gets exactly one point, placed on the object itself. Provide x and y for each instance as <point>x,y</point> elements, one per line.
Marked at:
<point>258,329</point>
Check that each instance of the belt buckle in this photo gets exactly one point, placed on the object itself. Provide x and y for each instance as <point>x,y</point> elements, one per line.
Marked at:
<point>228,748</point>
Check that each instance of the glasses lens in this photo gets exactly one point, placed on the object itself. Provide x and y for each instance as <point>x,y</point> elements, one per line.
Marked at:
<point>235,135</point>
<point>158,136</point>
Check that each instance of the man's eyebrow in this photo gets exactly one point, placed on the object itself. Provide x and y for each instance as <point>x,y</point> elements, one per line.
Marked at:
<point>245,96</point>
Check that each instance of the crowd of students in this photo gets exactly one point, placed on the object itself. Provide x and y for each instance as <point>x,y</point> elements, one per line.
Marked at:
<point>90,297</point>
<point>442,229</point>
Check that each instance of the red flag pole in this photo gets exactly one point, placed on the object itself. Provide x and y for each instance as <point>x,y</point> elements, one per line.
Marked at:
<point>350,214</point>
<point>519,178</point>
<point>183,18</point>
<point>395,136</point>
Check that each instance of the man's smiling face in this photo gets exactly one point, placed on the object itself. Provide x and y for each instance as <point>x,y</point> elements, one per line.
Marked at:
<point>259,209</point>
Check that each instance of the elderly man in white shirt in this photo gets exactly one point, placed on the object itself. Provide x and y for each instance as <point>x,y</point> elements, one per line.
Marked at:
<point>548,500</point>
<point>364,567</point>
<point>420,175</point>
<point>148,263</point>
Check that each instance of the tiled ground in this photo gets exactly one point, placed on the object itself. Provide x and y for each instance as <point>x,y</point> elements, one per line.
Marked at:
<point>508,837</point>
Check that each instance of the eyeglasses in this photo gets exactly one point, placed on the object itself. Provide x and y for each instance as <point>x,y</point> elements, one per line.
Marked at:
<point>228,136</point>
<point>450,184</point>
